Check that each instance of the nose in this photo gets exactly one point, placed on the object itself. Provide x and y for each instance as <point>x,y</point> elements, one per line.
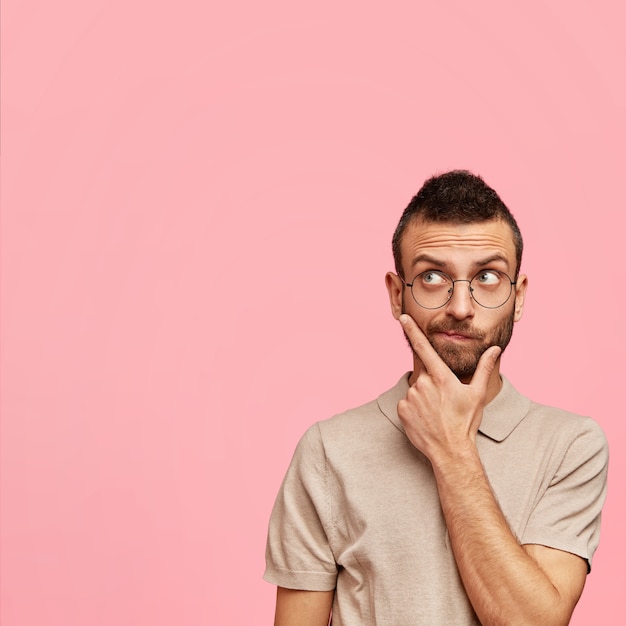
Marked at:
<point>461,304</point>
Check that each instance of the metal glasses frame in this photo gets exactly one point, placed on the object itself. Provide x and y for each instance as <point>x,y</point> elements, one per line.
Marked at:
<point>460,280</point>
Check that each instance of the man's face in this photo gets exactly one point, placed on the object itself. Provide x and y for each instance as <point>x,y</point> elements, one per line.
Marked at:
<point>461,330</point>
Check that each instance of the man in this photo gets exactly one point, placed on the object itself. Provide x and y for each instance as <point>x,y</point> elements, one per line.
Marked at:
<point>451,499</point>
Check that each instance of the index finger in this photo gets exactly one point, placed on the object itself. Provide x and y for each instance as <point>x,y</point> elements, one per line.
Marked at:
<point>433,363</point>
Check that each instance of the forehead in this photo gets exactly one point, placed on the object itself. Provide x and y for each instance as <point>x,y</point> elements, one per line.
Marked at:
<point>458,243</point>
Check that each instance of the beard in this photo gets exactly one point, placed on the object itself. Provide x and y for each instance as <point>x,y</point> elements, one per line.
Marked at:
<point>463,359</point>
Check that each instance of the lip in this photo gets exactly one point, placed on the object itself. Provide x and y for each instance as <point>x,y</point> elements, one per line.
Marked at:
<point>454,336</point>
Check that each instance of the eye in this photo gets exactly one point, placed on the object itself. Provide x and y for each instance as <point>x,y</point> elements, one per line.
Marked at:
<point>487,277</point>
<point>433,278</point>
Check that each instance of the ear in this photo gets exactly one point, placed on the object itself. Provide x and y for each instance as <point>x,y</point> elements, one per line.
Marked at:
<point>520,296</point>
<point>395,287</point>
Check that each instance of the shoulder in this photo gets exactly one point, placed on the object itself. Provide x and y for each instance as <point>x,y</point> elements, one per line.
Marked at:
<point>571,427</point>
<point>365,426</point>
<point>511,415</point>
<point>358,416</point>
<point>573,443</point>
<point>342,431</point>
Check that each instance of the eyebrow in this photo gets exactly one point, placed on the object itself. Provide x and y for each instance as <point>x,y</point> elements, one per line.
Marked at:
<point>426,258</point>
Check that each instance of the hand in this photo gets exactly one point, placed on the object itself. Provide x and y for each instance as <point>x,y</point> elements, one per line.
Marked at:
<point>440,414</point>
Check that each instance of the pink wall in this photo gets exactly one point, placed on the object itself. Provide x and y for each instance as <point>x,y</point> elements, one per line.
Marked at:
<point>197,204</point>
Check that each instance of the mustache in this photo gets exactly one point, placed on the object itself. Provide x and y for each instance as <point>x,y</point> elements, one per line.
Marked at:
<point>455,327</point>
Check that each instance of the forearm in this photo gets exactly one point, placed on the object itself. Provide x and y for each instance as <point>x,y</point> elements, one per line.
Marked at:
<point>504,584</point>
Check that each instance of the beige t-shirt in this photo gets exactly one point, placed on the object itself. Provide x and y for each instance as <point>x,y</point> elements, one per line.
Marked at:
<point>358,509</point>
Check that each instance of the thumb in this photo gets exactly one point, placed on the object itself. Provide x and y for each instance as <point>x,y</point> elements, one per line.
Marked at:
<point>485,367</point>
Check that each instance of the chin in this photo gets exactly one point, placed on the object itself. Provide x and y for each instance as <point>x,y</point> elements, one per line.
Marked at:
<point>463,363</point>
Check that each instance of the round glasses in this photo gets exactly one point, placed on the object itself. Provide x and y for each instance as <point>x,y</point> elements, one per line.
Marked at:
<point>489,288</point>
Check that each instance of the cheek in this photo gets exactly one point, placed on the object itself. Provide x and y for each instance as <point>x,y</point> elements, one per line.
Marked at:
<point>503,326</point>
<point>420,316</point>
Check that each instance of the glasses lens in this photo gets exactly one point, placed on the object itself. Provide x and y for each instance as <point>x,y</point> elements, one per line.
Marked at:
<point>432,289</point>
<point>491,288</point>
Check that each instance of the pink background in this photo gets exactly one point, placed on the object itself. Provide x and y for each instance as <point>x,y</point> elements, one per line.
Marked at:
<point>197,206</point>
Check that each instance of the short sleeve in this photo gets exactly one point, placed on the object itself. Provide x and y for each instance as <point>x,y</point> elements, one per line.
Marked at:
<point>298,554</point>
<point>567,516</point>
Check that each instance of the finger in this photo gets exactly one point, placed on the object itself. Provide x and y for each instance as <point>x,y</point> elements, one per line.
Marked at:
<point>426,353</point>
<point>485,367</point>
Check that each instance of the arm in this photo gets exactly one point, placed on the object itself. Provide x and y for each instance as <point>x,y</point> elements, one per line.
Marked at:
<point>299,558</point>
<point>505,582</point>
<point>302,608</point>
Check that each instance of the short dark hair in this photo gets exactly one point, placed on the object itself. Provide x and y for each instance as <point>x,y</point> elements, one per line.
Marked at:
<point>459,197</point>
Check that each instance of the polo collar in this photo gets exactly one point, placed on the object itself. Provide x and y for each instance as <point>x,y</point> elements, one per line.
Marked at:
<point>500,416</point>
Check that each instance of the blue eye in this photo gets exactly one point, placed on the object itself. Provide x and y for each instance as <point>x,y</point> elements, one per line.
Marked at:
<point>433,278</point>
<point>488,277</point>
